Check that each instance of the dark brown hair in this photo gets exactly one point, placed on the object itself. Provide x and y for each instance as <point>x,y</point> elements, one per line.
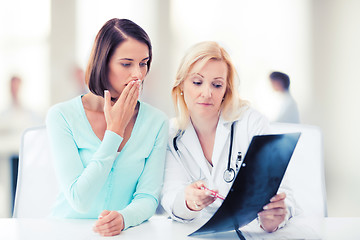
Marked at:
<point>282,78</point>
<point>113,33</point>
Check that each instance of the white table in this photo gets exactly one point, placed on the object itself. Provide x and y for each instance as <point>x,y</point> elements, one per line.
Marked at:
<point>163,228</point>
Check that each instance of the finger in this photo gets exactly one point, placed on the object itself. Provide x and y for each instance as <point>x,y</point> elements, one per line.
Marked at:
<point>208,201</point>
<point>114,225</point>
<point>104,227</point>
<point>273,212</point>
<point>109,227</point>
<point>107,217</point>
<point>112,233</point>
<point>125,99</point>
<point>200,195</point>
<point>107,97</point>
<point>125,93</point>
<point>278,204</point>
<point>199,184</point>
<point>132,99</point>
<point>104,213</point>
<point>278,197</point>
<point>133,94</point>
<point>264,217</point>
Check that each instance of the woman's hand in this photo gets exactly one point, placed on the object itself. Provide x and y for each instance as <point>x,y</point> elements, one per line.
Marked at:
<point>274,213</point>
<point>197,198</point>
<point>110,223</point>
<point>118,114</point>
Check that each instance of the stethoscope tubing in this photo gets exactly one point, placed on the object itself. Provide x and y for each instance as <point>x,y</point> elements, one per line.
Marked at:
<point>229,173</point>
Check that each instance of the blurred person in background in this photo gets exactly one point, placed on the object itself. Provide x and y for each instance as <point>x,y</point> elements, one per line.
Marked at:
<point>13,121</point>
<point>284,107</point>
<point>79,77</point>
<point>209,111</point>
<point>108,147</point>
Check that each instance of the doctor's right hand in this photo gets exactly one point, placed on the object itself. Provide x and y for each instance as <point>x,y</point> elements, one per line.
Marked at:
<point>197,198</point>
<point>119,113</point>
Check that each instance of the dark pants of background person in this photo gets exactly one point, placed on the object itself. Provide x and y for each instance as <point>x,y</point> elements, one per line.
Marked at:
<point>14,161</point>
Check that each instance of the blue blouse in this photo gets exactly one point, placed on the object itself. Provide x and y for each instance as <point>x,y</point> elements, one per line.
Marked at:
<point>94,177</point>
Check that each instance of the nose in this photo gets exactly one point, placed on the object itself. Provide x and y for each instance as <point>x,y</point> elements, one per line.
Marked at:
<point>137,74</point>
<point>206,91</point>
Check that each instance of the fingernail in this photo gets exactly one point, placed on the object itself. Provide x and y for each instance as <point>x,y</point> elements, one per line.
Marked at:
<point>100,217</point>
<point>265,207</point>
<point>207,193</point>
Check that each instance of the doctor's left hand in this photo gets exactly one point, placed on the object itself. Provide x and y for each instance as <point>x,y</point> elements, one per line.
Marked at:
<point>110,223</point>
<point>274,213</point>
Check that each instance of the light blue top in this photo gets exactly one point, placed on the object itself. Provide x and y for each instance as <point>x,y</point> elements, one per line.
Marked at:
<point>94,177</point>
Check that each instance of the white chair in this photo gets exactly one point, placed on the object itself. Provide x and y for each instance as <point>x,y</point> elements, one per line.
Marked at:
<point>37,185</point>
<point>306,168</point>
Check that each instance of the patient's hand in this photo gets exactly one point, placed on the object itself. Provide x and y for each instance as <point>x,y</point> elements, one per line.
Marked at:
<point>110,223</point>
<point>274,213</point>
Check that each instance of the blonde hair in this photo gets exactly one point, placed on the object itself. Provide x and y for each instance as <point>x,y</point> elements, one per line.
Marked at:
<point>231,107</point>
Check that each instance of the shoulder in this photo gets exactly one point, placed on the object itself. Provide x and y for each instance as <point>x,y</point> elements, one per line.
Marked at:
<point>252,120</point>
<point>152,119</point>
<point>153,112</point>
<point>249,113</point>
<point>65,109</point>
<point>173,127</point>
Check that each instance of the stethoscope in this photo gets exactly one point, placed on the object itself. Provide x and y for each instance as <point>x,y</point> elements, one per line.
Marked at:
<point>229,173</point>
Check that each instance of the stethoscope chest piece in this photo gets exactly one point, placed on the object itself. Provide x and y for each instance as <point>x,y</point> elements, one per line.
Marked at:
<point>229,175</point>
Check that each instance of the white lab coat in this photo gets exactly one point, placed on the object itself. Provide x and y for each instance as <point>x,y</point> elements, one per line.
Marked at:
<point>192,165</point>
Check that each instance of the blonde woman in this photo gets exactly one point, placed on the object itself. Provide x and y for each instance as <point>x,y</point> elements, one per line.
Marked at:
<point>208,106</point>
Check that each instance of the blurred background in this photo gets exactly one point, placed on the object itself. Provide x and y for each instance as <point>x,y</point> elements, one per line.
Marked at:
<point>46,43</point>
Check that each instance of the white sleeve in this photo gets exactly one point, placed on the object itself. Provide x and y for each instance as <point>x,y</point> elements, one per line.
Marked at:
<point>292,208</point>
<point>175,180</point>
<point>258,124</point>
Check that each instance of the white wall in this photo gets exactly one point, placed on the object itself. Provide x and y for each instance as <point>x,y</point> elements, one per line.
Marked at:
<point>261,36</point>
<point>336,99</point>
<point>24,51</point>
<point>316,42</point>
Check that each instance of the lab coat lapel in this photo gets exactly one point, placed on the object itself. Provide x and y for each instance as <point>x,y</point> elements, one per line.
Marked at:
<point>221,147</point>
<point>192,144</point>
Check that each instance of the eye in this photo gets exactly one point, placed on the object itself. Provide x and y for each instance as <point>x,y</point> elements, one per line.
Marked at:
<point>217,85</point>
<point>143,64</point>
<point>196,81</point>
<point>126,64</point>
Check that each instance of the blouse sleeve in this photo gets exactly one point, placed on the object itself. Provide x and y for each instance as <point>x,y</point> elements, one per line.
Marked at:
<point>80,184</point>
<point>146,196</point>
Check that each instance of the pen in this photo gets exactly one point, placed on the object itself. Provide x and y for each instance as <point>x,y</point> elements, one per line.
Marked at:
<point>215,194</point>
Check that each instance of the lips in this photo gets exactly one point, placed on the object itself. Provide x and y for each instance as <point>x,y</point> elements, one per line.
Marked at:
<point>206,104</point>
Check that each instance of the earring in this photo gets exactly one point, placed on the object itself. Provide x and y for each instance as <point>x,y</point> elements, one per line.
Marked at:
<point>181,93</point>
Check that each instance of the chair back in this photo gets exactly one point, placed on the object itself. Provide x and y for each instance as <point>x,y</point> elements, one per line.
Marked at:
<point>306,168</point>
<point>37,185</point>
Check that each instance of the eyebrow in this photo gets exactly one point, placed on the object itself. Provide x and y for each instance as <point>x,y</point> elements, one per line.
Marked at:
<point>198,74</point>
<point>130,59</point>
<point>217,78</point>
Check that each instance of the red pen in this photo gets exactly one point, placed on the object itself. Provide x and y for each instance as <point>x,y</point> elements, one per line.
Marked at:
<point>214,193</point>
